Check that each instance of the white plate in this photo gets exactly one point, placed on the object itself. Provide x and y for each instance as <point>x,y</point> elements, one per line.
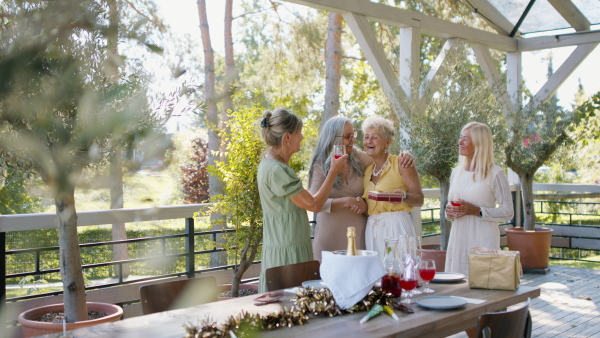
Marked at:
<point>316,284</point>
<point>447,277</point>
<point>441,302</point>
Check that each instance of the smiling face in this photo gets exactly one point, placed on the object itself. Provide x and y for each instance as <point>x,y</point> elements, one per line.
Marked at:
<point>295,139</point>
<point>375,144</point>
<point>465,144</point>
<point>348,138</point>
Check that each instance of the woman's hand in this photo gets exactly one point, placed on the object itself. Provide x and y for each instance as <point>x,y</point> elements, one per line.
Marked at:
<point>357,205</point>
<point>406,160</point>
<point>400,191</point>
<point>464,209</point>
<point>338,165</point>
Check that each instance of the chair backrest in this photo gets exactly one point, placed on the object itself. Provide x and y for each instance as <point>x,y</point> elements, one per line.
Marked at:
<point>288,276</point>
<point>513,323</point>
<point>178,294</point>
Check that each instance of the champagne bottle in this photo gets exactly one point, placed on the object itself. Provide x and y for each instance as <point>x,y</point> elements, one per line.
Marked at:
<point>351,234</point>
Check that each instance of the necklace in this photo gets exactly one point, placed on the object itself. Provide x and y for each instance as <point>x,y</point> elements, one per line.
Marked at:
<point>377,173</point>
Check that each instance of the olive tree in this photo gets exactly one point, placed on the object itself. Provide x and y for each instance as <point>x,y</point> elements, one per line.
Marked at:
<point>536,134</point>
<point>59,111</point>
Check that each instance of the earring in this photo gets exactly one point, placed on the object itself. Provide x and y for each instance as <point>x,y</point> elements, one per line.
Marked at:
<point>289,143</point>
<point>386,150</point>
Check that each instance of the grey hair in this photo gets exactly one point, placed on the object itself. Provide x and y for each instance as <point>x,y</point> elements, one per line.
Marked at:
<point>384,126</point>
<point>275,124</point>
<point>333,128</point>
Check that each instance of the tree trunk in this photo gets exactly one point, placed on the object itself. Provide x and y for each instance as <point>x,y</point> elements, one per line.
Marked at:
<point>444,224</point>
<point>214,184</point>
<point>119,232</point>
<point>527,197</point>
<point>70,256</point>
<point>116,166</point>
<point>230,72</point>
<point>333,65</point>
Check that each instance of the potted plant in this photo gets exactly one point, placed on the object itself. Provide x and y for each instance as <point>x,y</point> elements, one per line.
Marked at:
<point>59,111</point>
<point>535,134</point>
<point>432,137</point>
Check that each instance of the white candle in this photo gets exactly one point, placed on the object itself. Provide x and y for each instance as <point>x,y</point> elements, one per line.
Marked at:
<point>64,325</point>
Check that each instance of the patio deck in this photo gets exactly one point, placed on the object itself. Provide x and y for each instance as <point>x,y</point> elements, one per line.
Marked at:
<point>568,305</point>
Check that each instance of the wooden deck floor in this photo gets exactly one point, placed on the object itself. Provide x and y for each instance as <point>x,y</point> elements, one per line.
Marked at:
<point>568,305</point>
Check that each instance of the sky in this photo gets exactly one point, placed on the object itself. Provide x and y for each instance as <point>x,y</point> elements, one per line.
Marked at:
<point>182,16</point>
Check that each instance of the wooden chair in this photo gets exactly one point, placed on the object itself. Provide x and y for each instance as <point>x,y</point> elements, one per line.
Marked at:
<point>288,276</point>
<point>513,323</point>
<point>178,294</point>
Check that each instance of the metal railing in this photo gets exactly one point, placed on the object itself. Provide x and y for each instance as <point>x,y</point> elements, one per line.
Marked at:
<point>10,223</point>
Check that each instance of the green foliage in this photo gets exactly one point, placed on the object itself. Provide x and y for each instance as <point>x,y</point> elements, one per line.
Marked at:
<point>432,137</point>
<point>240,200</point>
<point>195,174</point>
<point>535,134</point>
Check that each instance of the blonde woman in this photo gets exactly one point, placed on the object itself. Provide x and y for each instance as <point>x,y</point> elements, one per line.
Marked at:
<point>479,197</point>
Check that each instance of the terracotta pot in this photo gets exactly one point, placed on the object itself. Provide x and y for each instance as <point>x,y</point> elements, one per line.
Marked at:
<point>33,328</point>
<point>534,246</point>
<point>432,251</point>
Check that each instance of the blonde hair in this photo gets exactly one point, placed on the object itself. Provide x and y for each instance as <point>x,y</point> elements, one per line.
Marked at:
<point>275,124</point>
<point>384,126</point>
<point>483,142</point>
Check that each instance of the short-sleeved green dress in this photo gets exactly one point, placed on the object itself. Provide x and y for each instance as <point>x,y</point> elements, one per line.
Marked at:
<point>286,231</point>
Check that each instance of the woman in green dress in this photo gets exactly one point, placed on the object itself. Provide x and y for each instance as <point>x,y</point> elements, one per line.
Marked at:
<point>286,231</point>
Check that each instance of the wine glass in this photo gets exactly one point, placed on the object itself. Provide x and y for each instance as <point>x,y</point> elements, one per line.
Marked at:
<point>408,282</point>
<point>416,254</point>
<point>427,273</point>
<point>339,150</point>
<point>454,198</point>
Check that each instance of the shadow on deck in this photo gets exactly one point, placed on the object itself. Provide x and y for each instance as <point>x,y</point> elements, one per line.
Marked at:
<point>568,305</point>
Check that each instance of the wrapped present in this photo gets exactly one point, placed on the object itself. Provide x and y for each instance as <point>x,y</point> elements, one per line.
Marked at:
<point>396,197</point>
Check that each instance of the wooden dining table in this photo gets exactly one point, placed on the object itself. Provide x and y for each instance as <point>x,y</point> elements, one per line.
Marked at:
<point>423,322</point>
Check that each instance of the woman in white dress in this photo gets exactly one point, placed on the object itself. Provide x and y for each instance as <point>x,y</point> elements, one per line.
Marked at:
<point>481,194</point>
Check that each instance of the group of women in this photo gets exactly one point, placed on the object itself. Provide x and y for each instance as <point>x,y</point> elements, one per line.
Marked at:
<point>338,191</point>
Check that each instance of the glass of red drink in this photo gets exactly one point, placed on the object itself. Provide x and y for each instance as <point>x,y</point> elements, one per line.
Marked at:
<point>408,283</point>
<point>454,199</point>
<point>390,284</point>
<point>427,273</point>
<point>339,150</point>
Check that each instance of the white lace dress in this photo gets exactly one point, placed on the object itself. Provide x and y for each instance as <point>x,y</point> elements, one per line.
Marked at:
<point>494,197</point>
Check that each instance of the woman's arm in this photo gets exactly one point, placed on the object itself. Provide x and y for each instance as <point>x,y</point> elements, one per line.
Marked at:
<point>414,193</point>
<point>314,203</point>
<point>331,204</point>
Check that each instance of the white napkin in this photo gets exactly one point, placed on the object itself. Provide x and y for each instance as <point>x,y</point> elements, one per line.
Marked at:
<point>350,278</point>
<point>293,290</point>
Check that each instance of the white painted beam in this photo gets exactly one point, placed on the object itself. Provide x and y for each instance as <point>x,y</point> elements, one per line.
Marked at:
<point>436,73</point>
<point>564,40</point>
<point>561,74</point>
<point>491,15</point>
<point>487,64</point>
<point>514,77</point>
<point>381,67</point>
<point>403,18</point>
<point>410,50</point>
<point>571,13</point>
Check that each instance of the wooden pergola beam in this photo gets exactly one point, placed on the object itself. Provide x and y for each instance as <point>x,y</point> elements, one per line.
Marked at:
<point>384,72</point>
<point>571,13</point>
<point>563,40</point>
<point>561,74</point>
<point>491,15</point>
<point>398,17</point>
